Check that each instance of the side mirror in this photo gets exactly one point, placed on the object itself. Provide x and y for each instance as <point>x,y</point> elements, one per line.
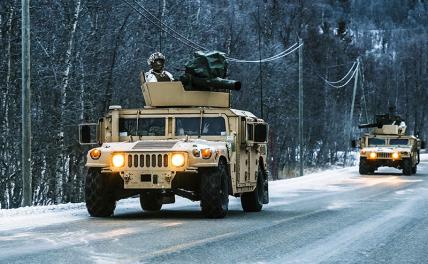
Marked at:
<point>88,133</point>
<point>423,144</point>
<point>260,133</point>
<point>354,143</point>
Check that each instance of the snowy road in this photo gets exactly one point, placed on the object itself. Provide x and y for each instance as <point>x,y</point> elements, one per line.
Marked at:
<point>335,216</point>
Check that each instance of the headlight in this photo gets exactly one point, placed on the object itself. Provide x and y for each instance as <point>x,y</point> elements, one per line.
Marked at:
<point>177,159</point>
<point>395,155</point>
<point>95,154</point>
<point>118,160</point>
<point>373,155</point>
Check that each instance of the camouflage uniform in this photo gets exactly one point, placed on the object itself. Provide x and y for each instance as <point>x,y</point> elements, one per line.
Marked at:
<point>157,73</point>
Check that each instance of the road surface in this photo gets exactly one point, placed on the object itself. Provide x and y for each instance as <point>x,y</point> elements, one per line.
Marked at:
<point>335,216</point>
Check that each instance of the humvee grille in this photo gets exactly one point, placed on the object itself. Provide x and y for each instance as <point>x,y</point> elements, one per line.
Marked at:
<point>154,144</point>
<point>384,155</point>
<point>148,160</point>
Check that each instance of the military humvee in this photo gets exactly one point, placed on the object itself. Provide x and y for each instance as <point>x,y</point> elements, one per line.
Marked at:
<point>186,143</point>
<point>388,145</point>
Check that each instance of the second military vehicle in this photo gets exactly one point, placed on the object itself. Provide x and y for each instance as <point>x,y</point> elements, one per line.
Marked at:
<point>388,145</point>
<point>183,142</point>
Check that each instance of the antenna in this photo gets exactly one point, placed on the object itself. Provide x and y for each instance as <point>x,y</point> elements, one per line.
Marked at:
<point>260,61</point>
<point>160,24</point>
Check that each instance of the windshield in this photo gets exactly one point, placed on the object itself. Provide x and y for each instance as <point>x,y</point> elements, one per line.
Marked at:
<point>376,142</point>
<point>398,141</point>
<point>146,127</point>
<point>190,126</point>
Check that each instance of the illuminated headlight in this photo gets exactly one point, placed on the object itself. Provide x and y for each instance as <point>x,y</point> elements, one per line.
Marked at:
<point>177,159</point>
<point>373,155</point>
<point>95,154</point>
<point>118,160</point>
<point>395,155</point>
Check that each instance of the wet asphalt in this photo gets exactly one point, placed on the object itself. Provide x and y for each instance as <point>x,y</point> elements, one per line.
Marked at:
<point>381,218</point>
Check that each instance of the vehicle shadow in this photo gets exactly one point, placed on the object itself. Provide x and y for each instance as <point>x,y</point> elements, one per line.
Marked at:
<point>195,214</point>
<point>171,214</point>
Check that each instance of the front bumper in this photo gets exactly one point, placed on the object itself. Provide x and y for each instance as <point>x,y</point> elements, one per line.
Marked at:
<point>385,163</point>
<point>149,170</point>
<point>154,170</point>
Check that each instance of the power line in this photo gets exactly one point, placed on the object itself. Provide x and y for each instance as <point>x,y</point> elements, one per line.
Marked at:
<point>282,54</point>
<point>272,57</point>
<point>183,39</point>
<point>160,27</point>
<point>344,77</point>
<point>350,78</point>
<point>332,84</point>
<point>168,27</point>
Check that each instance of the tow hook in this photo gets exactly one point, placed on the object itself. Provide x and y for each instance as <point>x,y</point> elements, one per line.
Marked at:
<point>126,178</point>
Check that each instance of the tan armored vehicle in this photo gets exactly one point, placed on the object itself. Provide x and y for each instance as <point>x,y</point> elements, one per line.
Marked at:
<point>186,143</point>
<point>388,145</point>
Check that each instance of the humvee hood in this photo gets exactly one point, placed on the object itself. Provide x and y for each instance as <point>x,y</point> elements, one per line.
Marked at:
<point>387,149</point>
<point>161,145</point>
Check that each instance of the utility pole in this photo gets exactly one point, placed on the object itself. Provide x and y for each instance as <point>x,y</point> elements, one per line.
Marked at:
<point>260,61</point>
<point>354,93</point>
<point>26,105</point>
<point>301,107</point>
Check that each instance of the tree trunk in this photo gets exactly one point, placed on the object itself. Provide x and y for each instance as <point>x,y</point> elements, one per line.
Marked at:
<point>63,157</point>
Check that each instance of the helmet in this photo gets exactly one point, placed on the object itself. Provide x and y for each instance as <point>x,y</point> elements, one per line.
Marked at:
<point>155,56</point>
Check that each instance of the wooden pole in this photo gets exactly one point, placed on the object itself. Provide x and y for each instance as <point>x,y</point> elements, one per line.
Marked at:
<point>26,105</point>
<point>301,108</point>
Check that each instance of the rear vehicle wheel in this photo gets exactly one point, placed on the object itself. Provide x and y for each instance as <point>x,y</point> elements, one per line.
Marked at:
<point>214,191</point>
<point>364,167</point>
<point>99,197</point>
<point>253,201</point>
<point>151,201</point>
<point>407,166</point>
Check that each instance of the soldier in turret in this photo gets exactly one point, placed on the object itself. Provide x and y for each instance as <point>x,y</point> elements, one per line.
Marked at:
<point>157,72</point>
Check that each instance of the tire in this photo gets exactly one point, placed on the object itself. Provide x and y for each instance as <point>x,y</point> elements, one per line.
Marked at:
<point>407,166</point>
<point>151,201</point>
<point>99,197</point>
<point>214,191</point>
<point>415,169</point>
<point>253,201</point>
<point>364,167</point>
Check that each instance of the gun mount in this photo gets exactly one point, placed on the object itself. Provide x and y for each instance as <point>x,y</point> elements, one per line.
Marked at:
<point>154,96</point>
<point>207,72</point>
<point>205,84</point>
<point>387,124</point>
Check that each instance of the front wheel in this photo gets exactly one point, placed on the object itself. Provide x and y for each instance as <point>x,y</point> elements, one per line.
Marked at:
<point>407,166</point>
<point>214,191</point>
<point>253,201</point>
<point>364,167</point>
<point>415,169</point>
<point>99,197</point>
